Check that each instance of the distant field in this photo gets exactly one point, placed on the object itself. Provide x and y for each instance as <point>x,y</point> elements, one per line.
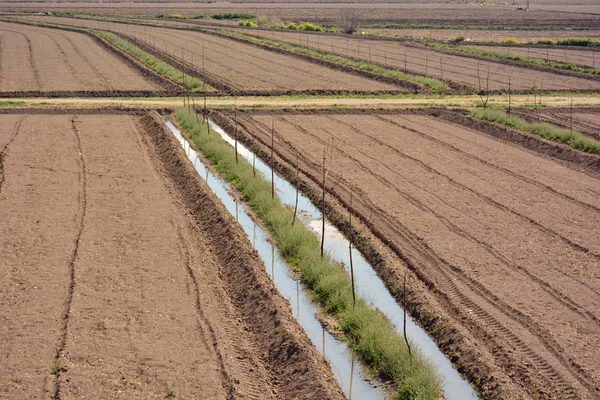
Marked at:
<point>42,59</point>
<point>447,13</point>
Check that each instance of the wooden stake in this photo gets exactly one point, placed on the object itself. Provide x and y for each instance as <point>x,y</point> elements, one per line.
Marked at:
<point>297,188</point>
<point>404,319</point>
<point>272,158</point>
<point>350,240</point>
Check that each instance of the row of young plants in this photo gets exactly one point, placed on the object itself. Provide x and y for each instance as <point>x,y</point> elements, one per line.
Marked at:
<point>548,131</point>
<point>430,83</point>
<point>367,331</point>
<point>514,57</point>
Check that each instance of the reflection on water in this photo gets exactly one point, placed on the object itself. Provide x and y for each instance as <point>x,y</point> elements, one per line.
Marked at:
<point>351,379</point>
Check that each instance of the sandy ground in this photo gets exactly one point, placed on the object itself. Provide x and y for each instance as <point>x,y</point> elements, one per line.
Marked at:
<point>424,61</point>
<point>42,59</point>
<point>507,238</point>
<point>110,289</point>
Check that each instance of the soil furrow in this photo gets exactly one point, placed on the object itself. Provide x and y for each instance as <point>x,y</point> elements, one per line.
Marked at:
<point>4,148</point>
<point>62,341</point>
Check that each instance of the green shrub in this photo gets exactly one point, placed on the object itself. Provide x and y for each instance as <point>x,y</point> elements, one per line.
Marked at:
<point>573,139</point>
<point>233,16</point>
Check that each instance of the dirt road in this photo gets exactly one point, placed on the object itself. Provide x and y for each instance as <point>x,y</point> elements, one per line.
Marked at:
<point>112,286</point>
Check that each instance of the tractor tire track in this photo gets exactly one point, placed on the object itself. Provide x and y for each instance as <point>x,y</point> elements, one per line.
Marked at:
<point>82,178</point>
<point>3,150</point>
<point>210,340</point>
<point>34,68</point>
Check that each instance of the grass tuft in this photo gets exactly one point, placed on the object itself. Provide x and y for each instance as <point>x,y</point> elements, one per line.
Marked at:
<point>573,139</point>
<point>368,332</point>
<point>161,67</point>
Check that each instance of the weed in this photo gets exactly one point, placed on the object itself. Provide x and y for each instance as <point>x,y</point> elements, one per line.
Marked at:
<point>368,332</point>
<point>171,393</point>
<point>573,139</point>
<point>55,368</point>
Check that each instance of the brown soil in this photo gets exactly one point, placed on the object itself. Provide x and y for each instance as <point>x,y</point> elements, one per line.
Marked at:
<point>464,70</point>
<point>120,307</point>
<point>41,59</point>
<point>502,242</point>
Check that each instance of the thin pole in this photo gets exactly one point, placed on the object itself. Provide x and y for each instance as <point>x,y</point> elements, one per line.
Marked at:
<point>272,158</point>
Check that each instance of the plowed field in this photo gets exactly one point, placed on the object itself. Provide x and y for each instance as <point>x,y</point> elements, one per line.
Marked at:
<point>113,287</point>
<point>44,60</point>
<point>463,70</point>
<point>587,58</point>
<point>507,240</point>
<point>240,66</point>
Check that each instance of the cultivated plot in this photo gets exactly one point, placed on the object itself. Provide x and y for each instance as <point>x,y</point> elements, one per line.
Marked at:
<point>45,60</point>
<point>583,57</point>
<point>239,66</point>
<point>110,286</point>
<point>584,121</point>
<point>509,239</point>
<point>423,61</point>
<point>482,35</point>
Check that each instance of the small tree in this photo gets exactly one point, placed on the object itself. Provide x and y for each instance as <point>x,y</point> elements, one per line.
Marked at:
<point>349,20</point>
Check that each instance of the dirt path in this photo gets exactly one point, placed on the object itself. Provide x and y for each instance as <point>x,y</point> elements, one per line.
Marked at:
<point>115,288</point>
<point>505,239</point>
<point>281,102</point>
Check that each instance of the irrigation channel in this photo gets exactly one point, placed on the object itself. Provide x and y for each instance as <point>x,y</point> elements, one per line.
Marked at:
<point>349,374</point>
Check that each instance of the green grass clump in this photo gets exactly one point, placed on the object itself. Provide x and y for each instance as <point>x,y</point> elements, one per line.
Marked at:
<point>233,16</point>
<point>578,41</point>
<point>161,67</point>
<point>367,331</point>
<point>375,69</point>
<point>573,139</point>
<point>248,23</point>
